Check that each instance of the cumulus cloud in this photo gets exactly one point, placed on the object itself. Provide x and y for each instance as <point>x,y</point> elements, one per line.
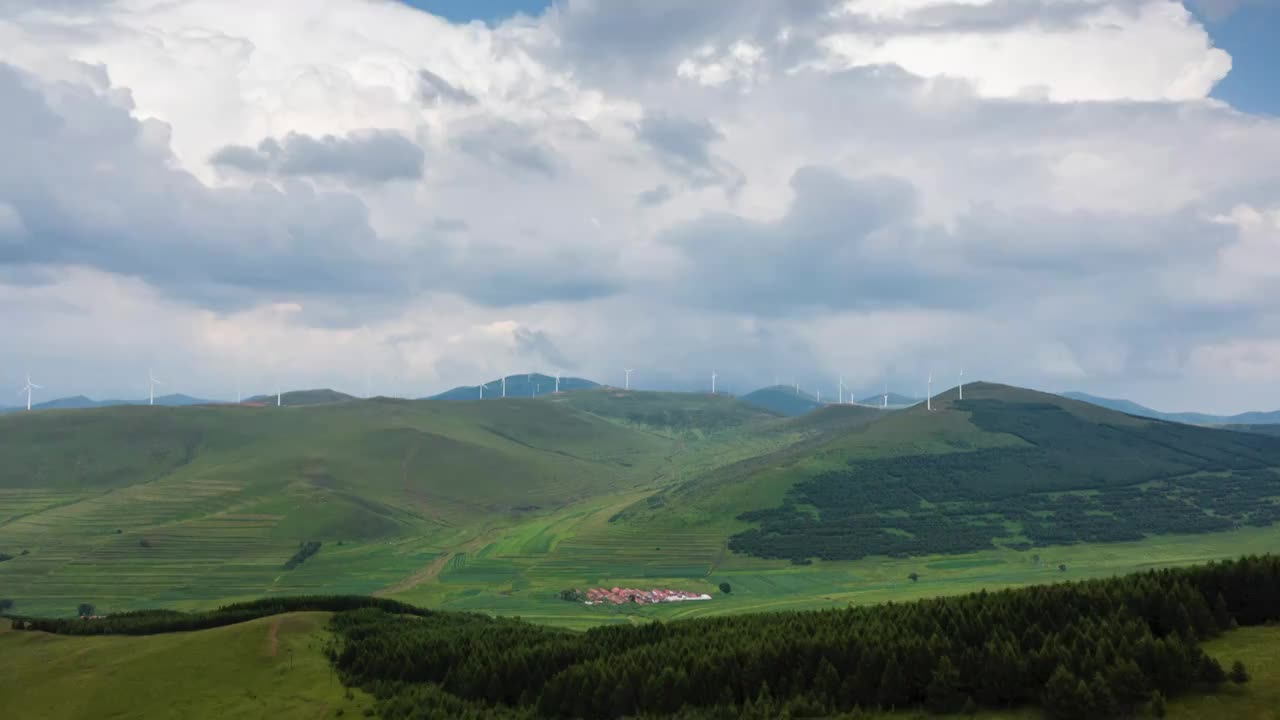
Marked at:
<point>368,156</point>
<point>1037,190</point>
<point>684,146</point>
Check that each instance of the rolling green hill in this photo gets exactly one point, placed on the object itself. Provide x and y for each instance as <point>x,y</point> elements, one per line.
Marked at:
<point>684,414</point>
<point>1014,468</point>
<point>497,506</point>
<point>271,667</point>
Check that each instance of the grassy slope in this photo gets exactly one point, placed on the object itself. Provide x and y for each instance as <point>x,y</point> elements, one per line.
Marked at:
<point>223,495</point>
<point>235,671</point>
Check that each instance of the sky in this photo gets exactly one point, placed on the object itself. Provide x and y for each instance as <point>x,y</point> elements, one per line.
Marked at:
<point>361,194</point>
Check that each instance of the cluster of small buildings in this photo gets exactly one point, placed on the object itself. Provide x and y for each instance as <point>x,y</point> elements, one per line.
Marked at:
<point>618,596</point>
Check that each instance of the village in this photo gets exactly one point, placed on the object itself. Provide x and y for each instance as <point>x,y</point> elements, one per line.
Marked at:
<point>620,596</point>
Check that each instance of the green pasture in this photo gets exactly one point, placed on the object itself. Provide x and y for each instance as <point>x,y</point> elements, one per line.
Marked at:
<point>273,667</point>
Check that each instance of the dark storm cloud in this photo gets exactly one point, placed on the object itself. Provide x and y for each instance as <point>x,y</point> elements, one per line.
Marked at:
<point>436,90</point>
<point>506,144</point>
<point>538,344</point>
<point>368,156</point>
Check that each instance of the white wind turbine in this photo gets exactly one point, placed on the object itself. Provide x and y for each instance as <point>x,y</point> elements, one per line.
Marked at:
<point>151,387</point>
<point>884,400</point>
<point>840,391</point>
<point>482,387</point>
<point>28,388</point>
<point>961,383</point>
<point>504,386</point>
<point>928,399</point>
<point>557,383</point>
<point>713,382</point>
<point>627,382</point>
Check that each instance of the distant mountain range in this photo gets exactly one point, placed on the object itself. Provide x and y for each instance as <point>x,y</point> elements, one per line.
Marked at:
<point>522,385</point>
<point>299,398</point>
<point>895,400</point>
<point>1190,418</point>
<point>783,400</point>
<point>80,402</point>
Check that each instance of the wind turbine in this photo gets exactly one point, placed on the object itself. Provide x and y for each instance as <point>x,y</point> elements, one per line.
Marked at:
<point>28,388</point>
<point>628,380</point>
<point>884,402</point>
<point>504,386</point>
<point>152,387</point>
<point>928,400</point>
<point>713,382</point>
<point>961,383</point>
<point>840,391</point>
<point>482,387</point>
<point>557,383</point>
<point>279,395</point>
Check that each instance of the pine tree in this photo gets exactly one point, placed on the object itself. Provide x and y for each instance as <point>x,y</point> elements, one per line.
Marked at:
<point>943,694</point>
<point>1066,697</point>
<point>1128,684</point>
<point>1158,708</point>
<point>893,684</point>
<point>1238,675</point>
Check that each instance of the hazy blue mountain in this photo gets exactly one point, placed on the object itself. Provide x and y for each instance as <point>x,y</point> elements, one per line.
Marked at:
<point>895,400</point>
<point>80,402</point>
<point>522,385</point>
<point>1190,418</point>
<point>783,400</point>
<point>298,398</point>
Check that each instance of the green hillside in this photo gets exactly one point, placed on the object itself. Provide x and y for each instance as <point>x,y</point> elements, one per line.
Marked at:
<point>1014,468</point>
<point>134,505</point>
<point>682,414</point>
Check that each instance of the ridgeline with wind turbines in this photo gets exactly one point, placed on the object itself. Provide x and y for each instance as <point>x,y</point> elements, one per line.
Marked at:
<point>499,505</point>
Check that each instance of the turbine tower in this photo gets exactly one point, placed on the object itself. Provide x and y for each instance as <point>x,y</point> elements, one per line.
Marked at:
<point>840,391</point>
<point>504,386</point>
<point>482,387</point>
<point>961,383</point>
<point>628,380</point>
<point>928,399</point>
<point>713,382</point>
<point>279,396</point>
<point>152,387</point>
<point>557,383</point>
<point>884,402</point>
<point>28,388</point>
